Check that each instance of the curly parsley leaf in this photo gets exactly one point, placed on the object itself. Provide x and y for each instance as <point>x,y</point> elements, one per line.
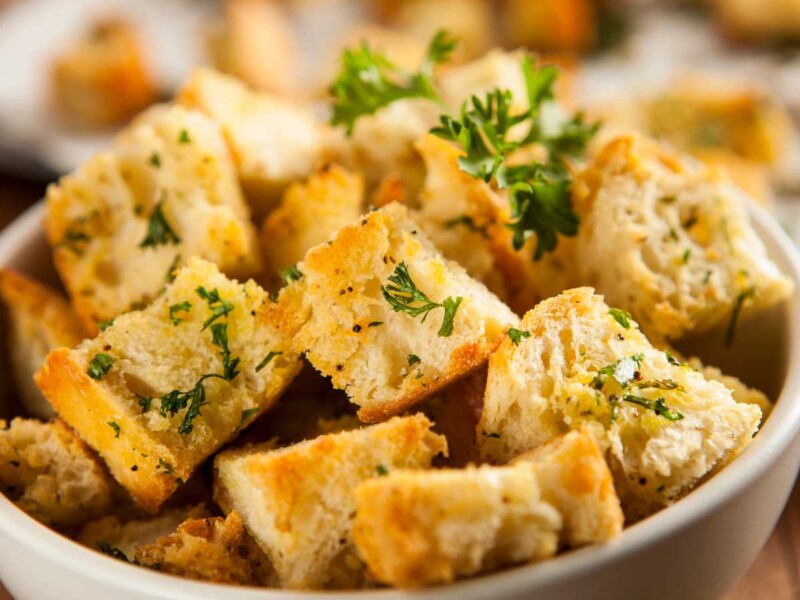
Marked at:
<point>218,306</point>
<point>402,294</point>
<point>159,231</point>
<point>369,81</point>
<point>99,366</point>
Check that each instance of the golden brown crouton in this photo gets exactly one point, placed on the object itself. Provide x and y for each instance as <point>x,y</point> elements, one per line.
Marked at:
<point>418,528</point>
<point>161,389</point>
<point>575,362</point>
<point>370,336</point>
<point>213,549</point>
<point>103,79</point>
<point>40,320</point>
<point>127,218</point>
<point>670,241</point>
<point>310,212</point>
<point>273,141</point>
<point>298,502</point>
<point>48,472</point>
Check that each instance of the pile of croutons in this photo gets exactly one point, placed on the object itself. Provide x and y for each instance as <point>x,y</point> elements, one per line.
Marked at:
<point>417,381</point>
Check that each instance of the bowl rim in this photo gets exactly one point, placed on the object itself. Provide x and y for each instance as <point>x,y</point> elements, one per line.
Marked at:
<point>775,437</point>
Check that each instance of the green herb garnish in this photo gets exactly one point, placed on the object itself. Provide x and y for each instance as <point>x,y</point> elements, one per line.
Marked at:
<point>737,309</point>
<point>74,241</point>
<point>184,138</point>
<point>413,359</point>
<point>144,402</point>
<point>622,317</point>
<point>219,332</point>
<point>381,471</point>
<point>113,552</point>
<point>247,414</point>
<point>403,295</point>
<point>155,160</point>
<point>624,372</point>
<point>184,306</point>
<point>99,366</point>
<point>517,335</point>
<point>368,81</point>
<point>290,274</point>
<point>218,306</point>
<point>658,406</point>
<point>159,231</point>
<point>115,426</point>
<point>267,359</point>
<point>467,222</point>
<point>162,464</point>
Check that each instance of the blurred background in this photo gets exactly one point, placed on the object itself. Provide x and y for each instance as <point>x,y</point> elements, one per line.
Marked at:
<point>717,78</point>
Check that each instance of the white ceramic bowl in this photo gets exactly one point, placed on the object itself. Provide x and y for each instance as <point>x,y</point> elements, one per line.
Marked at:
<point>693,550</point>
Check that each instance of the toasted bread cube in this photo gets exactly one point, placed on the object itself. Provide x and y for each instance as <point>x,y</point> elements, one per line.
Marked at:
<point>573,477</point>
<point>418,528</point>
<point>162,389</point>
<point>661,425</point>
<point>468,222</point>
<point>254,41</point>
<point>740,390</point>
<point>103,79</point>
<point>298,502</point>
<point>274,142</point>
<point>670,241</point>
<point>309,213</point>
<point>125,219</point>
<point>48,472</point>
<point>761,21</point>
<point>112,534</point>
<point>354,331</point>
<point>40,320</point>
<point>382,144</point>
<point>551,25</point>
<point>212,549</point>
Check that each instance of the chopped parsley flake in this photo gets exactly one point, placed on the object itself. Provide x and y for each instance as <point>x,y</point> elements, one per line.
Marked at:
<point>413,359</point>
<point>168,469</point>
<point>159,231</point>
<point>99,366</point>
<point>247,414</point>
<point>624,372</point>
<point>517,335</point>
<point>467,222</point>
<point>290,274</point>
<point>218,306</point>
<point>622,317</point>
<point>155,160</point>
<point>115,427</point>
<point>658,406</point>
<point>184,138</point>
<point>219,332</point>
<point>403,295</point>
<point>381,471</point>
<point>184,306</point>
<point>267,359</point>
<point>737,309</point>
<point>144,402</point>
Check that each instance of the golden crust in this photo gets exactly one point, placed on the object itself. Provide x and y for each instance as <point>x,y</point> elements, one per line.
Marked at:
<point>146,448</point>
<point>350,332</point>
<point>298,501</point>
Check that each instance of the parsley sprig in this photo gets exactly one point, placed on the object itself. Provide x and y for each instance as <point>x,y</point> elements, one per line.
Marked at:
<point>402,294</point>
<point>369,81</point>
<point>539,192</point>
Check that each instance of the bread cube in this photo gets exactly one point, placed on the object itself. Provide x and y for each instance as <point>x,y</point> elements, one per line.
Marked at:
<point>741,391</point>
<point>670,241</point>
<point>309,213</point>
<point>576,362</point>
<point>574,478</point>
<point>162,389</point>
<point>126,218</point>
<point>359,325</point>
<point>40,320</point>
<point>298,502</point>
<point>212,549</point>
<point>273,141</point>
<point>104,78</point>
<point>418,528</point>
<point>48,472</point>
<point>552,25</point>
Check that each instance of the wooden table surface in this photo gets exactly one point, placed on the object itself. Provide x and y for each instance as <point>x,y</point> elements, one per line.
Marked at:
<point>775,575</point>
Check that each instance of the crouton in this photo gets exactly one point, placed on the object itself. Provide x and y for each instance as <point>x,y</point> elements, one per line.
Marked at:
<point>761,21</point>
<point>360,326</point>
<point>273,141</point>
<point>741,391</point>
<point>50,474</point>
<point>103,79</point>
<point>382,144</point>
<point>298,502</point>
<point>40,320</point>
<point>575,362</point>
<point>309,213</point>
<point>125,219</point>
<point>212,549</point>
<point>551,25</point>
<point>468,222</point>
<point>574,478</point>
<point>249,32</point>
<point>670,241</point>
<point>418,528</point>
<point>114,535</point>
<point>162,389</point>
